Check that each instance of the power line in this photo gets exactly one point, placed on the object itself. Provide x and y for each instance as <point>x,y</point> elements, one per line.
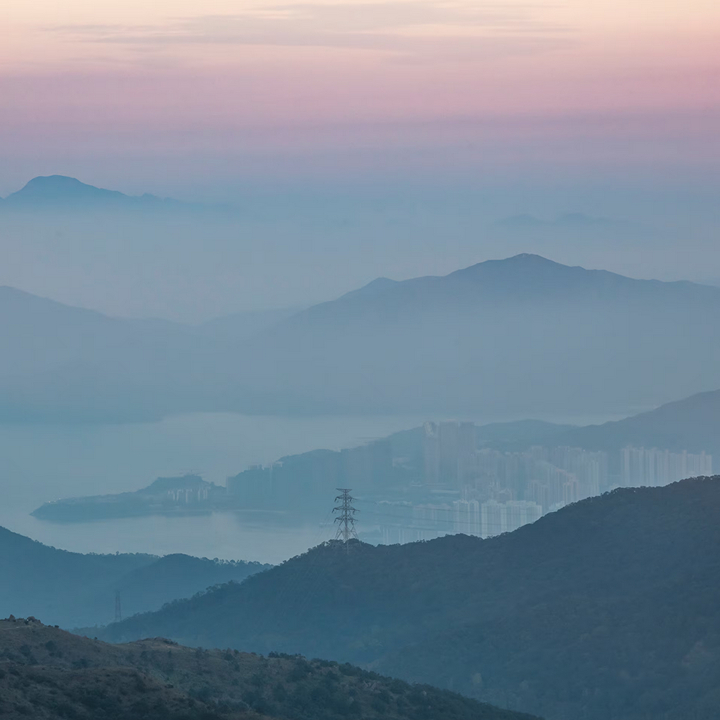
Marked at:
<point>410,518</point>
<point>488,527</point>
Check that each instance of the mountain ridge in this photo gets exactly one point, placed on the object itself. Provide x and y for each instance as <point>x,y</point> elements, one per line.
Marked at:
<point>72,589</point>
<point>58,191</point>
<point>513,336</point>
<point>487,321</point>
<point>606,603</point>
<point>694,426</point>
<point>49,673</point>
<point>517,268</point>
<point>63,188</point>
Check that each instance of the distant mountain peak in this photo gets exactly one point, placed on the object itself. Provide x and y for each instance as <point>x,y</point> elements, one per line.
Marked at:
<point>380,284</point>
<point>524,262</point>
<point>62,190</point>
<point>375,287</point>
<point>54,188</point>
<point>526,258</point>
<point>56,181</point>
<point>53,180</point>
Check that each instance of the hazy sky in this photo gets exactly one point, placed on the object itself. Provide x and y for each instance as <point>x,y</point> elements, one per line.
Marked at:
<point>188,96</point>
<point>359,139</point>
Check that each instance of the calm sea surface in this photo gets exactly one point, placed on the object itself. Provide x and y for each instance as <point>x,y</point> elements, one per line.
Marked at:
<point>45,462</point>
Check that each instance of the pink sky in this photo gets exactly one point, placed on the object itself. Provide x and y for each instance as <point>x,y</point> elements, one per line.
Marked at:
<point>354,84</point>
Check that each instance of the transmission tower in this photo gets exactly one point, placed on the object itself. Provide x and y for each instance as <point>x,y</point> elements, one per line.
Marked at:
<point>346,519</point>
<point>118,607</point>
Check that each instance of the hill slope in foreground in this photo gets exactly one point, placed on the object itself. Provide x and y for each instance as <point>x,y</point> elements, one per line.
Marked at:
<point>609,608</point>
<point>48,673</point>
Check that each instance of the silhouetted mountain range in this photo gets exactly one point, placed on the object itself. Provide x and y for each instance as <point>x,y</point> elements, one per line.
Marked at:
<point>61,191</point>
<point>521,336</point>
<point>48,673</point>
<point>73,590</point>
<point>608,608</point>
<point>65,363</point>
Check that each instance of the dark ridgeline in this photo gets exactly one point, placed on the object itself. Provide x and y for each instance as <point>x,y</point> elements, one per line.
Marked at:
<point>48,673</point>
<point>609,608</point>
<point>75,590</point>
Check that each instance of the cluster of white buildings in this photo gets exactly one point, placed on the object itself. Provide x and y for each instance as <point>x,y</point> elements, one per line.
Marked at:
<point>488,492</point>
<point>491,517</point>
<point>469,517</point>
<point>189,495</point>
<point>548,477</point>
<point>655,468</point>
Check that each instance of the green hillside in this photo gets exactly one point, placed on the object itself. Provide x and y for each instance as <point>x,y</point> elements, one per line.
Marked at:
<point>609,608</point>
<point>49,673</point>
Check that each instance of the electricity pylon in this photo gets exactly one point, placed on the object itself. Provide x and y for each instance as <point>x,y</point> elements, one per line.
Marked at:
<point>346,519</point>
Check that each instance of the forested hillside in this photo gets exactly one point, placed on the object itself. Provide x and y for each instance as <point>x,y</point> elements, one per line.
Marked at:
<point>48,673</point>
<point>609,608</point>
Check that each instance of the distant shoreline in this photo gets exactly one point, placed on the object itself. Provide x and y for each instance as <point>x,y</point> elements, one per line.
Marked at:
<point>83,510</point>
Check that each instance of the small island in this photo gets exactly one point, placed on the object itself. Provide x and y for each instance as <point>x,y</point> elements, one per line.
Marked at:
<point>185,495</point>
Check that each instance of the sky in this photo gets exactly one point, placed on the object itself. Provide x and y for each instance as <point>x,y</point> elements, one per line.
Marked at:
<point>362,138</point>
<point>188,96</point>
